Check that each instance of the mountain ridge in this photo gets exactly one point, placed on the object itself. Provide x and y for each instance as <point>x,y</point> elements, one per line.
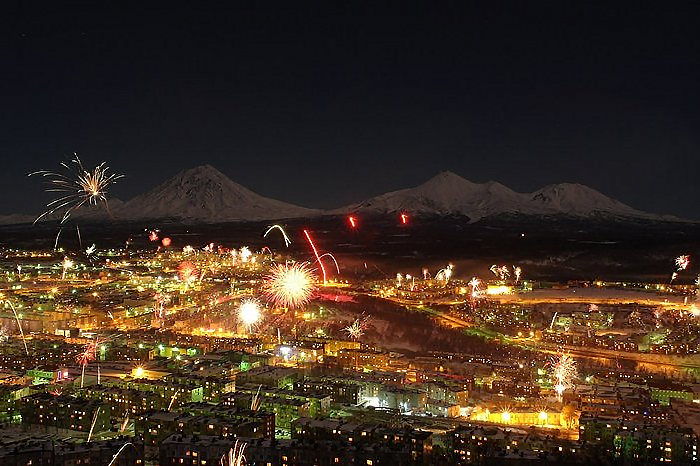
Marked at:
<point>449,194</point>
<point>205,195</point>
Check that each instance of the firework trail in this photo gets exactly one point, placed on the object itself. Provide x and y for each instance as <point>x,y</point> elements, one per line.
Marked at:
<point>289,285</point>
<point>404,219</point>
<point>19,324</point>
<point>318,258</point>
<point>92,426</point>
<point>172,400</point>
<point>161,300</point>
<point>55,243</point>
<point>249,313</point>
<point>235,456</point>
<point>352,221</point>
<point>256,401</point>
<point>124,424</point>
<point>287,241</point>
<point>76,187</point>
<point>426,274</point>
<point>553,319</point>
<point>328,254</point>
<point>116,455</point>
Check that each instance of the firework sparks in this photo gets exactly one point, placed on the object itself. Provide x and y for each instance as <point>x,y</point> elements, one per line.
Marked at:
<point>517,272</point>
<point>287,241</point>
<point>66,264</point>
<point>404,219</point>
<point>153,235</point>
<point>245,254</point>
<point>475,285</point>
<point>235,456</point>
<point>289,285</point>
<point>76,187</point>
<point>501,272</point>
<point>353,221</point>
<point>166,242</point>
<point>249,313</point>
<point>445,274</point>
<point>564,371</point>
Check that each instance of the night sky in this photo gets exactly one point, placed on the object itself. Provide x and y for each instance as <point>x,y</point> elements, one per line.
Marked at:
<point>326,103</point>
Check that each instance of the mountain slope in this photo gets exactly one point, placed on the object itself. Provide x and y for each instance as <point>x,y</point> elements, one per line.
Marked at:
<point>450,194</point>
<point>205,194</point>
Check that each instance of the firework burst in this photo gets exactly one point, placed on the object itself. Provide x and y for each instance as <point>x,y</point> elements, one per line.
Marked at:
<point>289,285</point>
<point>76,187</point>
<point>358,327</point>
<point>445,274</point>
<point>187,271</point>
<point>249,313</point>
<point>682,262</point>
<point>564,371</point>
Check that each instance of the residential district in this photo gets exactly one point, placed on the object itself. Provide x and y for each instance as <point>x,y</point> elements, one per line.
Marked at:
<point>207,356</point>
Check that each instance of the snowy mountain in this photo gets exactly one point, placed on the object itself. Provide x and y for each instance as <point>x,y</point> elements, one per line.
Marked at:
<point>204,194</point>
<point>450,194</point>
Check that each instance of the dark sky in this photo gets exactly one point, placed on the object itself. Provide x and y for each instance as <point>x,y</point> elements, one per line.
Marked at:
<point>329,102</point>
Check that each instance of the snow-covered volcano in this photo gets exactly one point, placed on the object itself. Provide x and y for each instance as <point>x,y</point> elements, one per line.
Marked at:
<point>204,194</point>
<point>450,194</point>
